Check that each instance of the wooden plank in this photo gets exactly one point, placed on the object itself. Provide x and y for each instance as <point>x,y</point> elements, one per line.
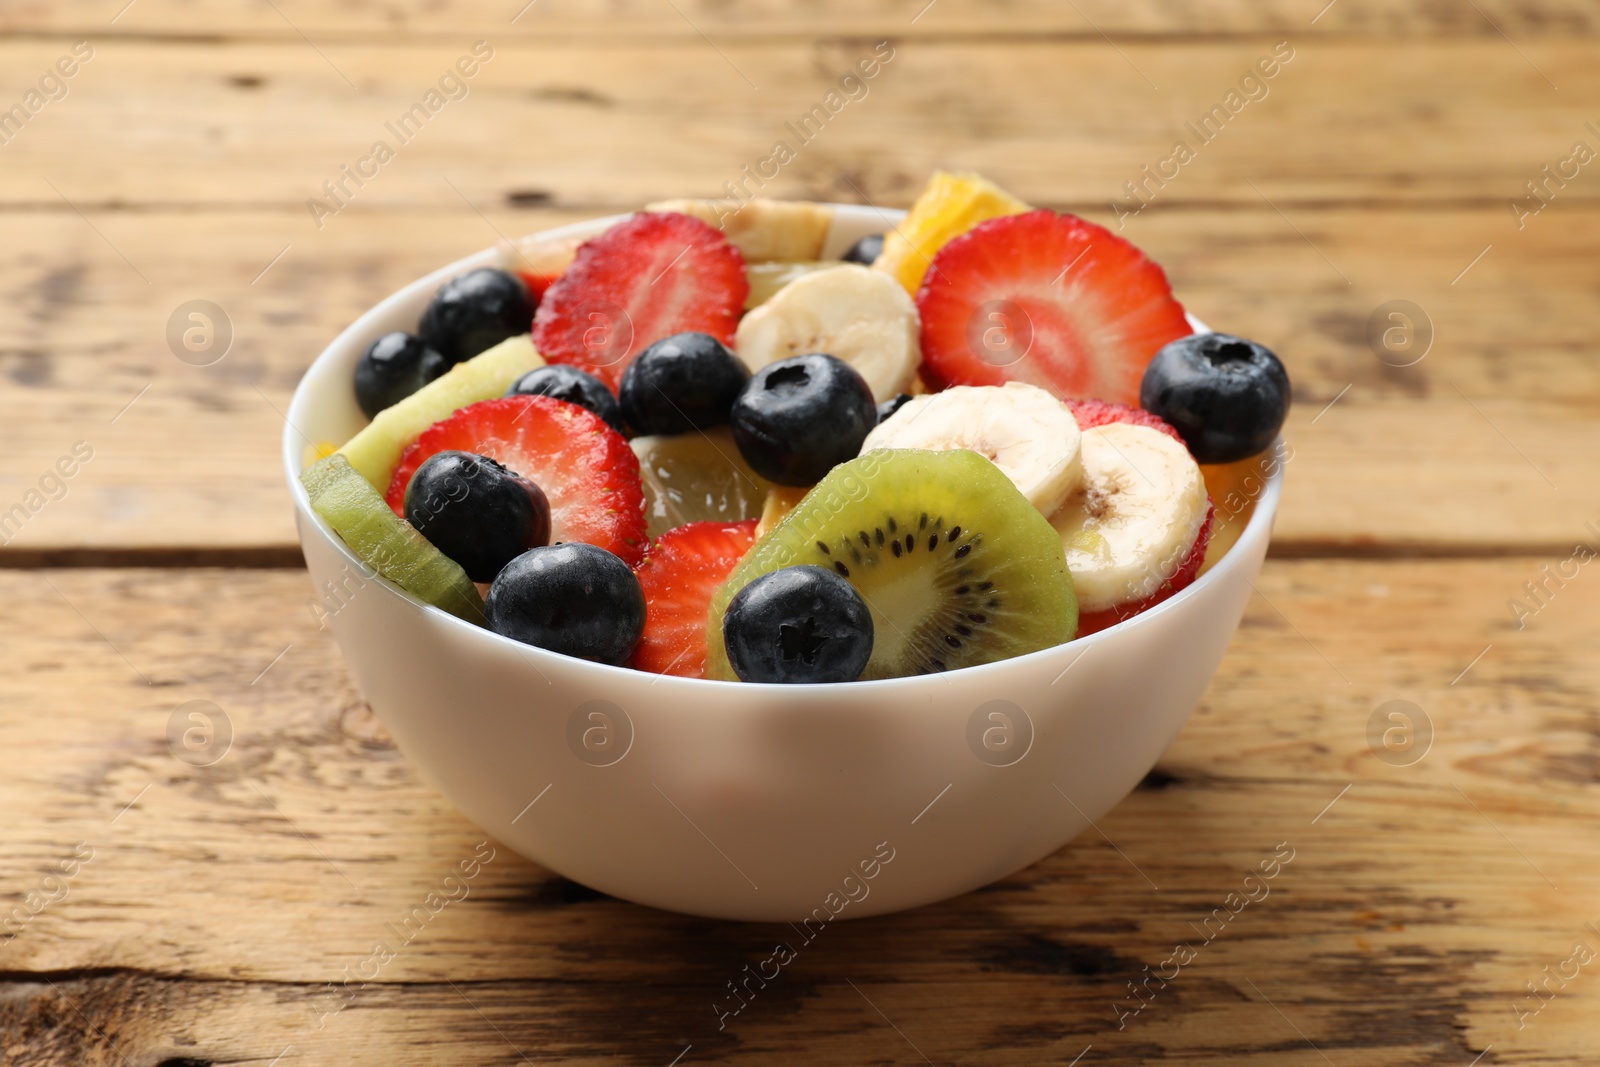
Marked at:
<point>251,123</point>
<point>640,18</point>
<point>215,907</point>
<point>1410,457</point>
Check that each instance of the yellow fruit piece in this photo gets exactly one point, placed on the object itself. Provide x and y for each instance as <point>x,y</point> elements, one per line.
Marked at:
<point>314,452</point>
<point>1234,489</point>
<point>539,255</point>
<point>781,499</point>
<point>767,278</point>
<point>788,231</point>
<point>696,477</point>
<point>375,451</point>
<point>951,205</point>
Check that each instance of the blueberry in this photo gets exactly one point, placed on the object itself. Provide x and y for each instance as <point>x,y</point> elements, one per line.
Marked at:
<point>797,625</point>
<point>684,382</point>
<point>866,250</point>
<point>475,312</point>
<point>392,368</point>
<point>1226,396</point>
<point>476,512</point>
<point>572,385</point>
<point>576,599</point>
<point>799,417</point>
<point>892,405</point>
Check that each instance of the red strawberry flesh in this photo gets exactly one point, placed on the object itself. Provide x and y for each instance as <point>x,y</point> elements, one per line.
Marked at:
<point>1092,413</point>
<point>537,283</point>
<point>648,277</point>
<point>586,469</point>
<point>681,571</point>
<point>1048,299</point>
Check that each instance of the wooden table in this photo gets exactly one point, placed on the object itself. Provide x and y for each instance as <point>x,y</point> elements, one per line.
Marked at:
<point>179,914</point>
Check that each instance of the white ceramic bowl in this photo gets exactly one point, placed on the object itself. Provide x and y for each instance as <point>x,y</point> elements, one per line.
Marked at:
<point>759,802</point>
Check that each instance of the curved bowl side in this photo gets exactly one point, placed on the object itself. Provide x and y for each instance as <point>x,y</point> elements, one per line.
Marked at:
<point>760,802</point>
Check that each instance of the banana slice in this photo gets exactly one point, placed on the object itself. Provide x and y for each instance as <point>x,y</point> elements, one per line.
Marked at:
<point>859,315</point>
<point>790,231</point>
<point>767,278</point>
<point>1029,434</point>
<point>1135,517</point>
<point>539,255</point>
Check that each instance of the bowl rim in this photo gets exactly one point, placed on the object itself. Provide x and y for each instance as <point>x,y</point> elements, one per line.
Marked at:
<point>1258,526</point>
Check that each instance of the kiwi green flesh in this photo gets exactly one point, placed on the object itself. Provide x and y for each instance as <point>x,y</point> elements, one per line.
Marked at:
<point>956,567</point>
<point>385,541</point>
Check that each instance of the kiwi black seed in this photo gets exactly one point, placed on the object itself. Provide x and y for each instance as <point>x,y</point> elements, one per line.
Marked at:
<point>981,578</point>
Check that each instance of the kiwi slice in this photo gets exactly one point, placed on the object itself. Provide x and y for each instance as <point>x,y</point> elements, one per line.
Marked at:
<point>955,565</point>
<point>696,477</point>
<point>375,451</point>
<point>385,541</point>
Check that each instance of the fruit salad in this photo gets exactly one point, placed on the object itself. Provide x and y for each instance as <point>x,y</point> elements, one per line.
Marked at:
<point>689,446</point>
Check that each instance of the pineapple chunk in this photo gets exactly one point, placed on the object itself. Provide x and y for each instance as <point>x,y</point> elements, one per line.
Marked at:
<point>951,205</point>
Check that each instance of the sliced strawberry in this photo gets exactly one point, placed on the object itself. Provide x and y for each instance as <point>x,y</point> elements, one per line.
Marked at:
<point>537,283</point>
<point>1047,299</point>
<point>1092,413</point>
<point>648,277</point>
<point>682,570</point>
<point>1187,571</point>
<point>586,469</point>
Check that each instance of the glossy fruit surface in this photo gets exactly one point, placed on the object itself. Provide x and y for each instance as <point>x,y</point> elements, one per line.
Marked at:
<point>587,471</point>
<point>956,566</point>
<point>648,277</point>
<point>476,512</point>
<point>469,710</point>
<point>392,368</point>
<point>696,477</point>
<point>685,382</point>
<point>798,418</point>
<point>475,312</point>
<point>798,625</point>
<point>681,570</point>
<point>949,206</point>
<point>376,449</point>
<point>1226,396</point>
<point>1048,299</point>
<point>385,543</point>
<point>574,386</point>
<point>575,599</point>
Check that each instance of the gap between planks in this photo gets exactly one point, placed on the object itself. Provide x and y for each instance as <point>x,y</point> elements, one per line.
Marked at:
<point>289,557</point>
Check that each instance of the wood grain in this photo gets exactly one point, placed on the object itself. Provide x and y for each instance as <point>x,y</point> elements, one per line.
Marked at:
<point>221,901</point>
<point>218,905</point>
<point>1409,457</point>
<point>641,19</point>
<point>253,123</point>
